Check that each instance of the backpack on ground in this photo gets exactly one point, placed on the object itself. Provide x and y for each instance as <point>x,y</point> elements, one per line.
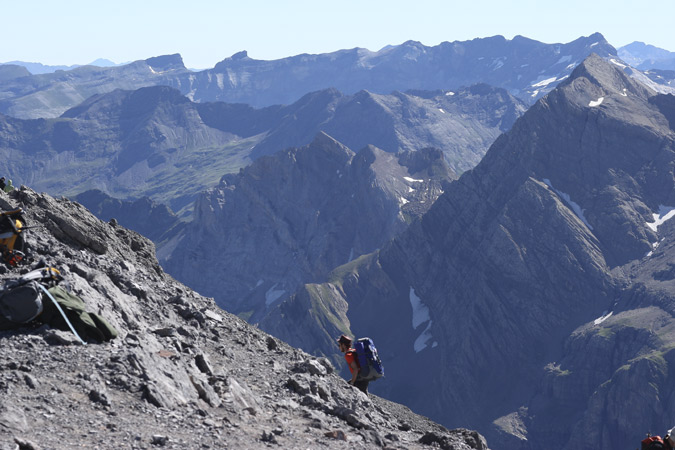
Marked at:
<point>369,361</point>
<point>68,310</point>
<point>37,296</point>
<point>12,243</point>
<point>21,299</point>
<point>653,443</point>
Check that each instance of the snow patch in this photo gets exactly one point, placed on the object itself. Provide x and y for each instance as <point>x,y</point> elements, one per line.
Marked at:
<point>421,342</point>
<point>259,283</point>
<point>351,255</point>
<point>564,59</point>
<point>544,83</point>
<point>665,213</point>
<point>594,44</point>
<point>535,93</point>
<point>420,311</point>
<point>575,206</point>
<point>410,190</point>
<point>617,63</point>
<point>412,180</point>
<point>606,315</point>
<point>449,93</point>
<point>441,110</point>
<point>272,295</point>
<point>597,102</point>
<point>571,66</point>
<point>498,63</point>
<point>624,93</point>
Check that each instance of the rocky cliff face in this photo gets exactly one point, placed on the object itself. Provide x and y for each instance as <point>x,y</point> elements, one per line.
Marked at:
<point>153,142</point>
<point>292,217</point>
<point>537,291</point>
<point>182,373</point>
<point>526,68</point>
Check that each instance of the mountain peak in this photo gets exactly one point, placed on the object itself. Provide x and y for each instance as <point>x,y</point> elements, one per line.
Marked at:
<point>166,62</point>
<point>240,55</point>
<point>606,77</point>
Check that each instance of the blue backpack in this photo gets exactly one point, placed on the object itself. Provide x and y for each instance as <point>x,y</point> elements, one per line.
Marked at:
<point>369,361</point>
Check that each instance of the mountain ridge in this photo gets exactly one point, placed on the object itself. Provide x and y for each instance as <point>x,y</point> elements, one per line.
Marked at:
<point>147,142</point>
<point>521,261</point>
<point>524,67</point>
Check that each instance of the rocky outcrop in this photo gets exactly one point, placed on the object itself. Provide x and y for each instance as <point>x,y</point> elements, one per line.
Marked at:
<point>292,217</point>
<point>537,291</point>
<point>182,373</point>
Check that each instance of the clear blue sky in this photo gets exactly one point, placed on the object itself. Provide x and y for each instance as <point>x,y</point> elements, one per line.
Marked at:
<point>205,32</point>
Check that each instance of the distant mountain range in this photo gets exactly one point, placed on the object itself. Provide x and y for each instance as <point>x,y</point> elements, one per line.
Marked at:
<point>36,68</point>
<point>526,68</point>
<point>644,57</point>
<point>155,142</point>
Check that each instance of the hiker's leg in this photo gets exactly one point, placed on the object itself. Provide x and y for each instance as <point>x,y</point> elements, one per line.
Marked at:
<point>362,385</point>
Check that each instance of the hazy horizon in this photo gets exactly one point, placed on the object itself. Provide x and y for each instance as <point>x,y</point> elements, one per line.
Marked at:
<point>76,32</point>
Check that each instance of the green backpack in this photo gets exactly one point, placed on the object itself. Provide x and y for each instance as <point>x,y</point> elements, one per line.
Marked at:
<point>36,296</point>
<point>89,326</point>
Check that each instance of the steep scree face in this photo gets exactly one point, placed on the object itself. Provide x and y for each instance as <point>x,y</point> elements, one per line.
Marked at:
<point>182,373</point>
<point>553,249</point>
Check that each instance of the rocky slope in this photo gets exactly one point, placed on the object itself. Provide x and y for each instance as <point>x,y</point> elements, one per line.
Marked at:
<point>525,67</point>
<point>154,142</point>
<point>290,218</point>
<point>538,291</point>
<point>182,373</point>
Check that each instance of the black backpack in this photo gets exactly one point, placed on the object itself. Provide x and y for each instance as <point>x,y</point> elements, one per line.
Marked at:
<point>21,299</point>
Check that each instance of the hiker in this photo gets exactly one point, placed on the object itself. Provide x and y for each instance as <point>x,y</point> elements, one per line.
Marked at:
<point>2,183</point>
<point>9,187</point>
<point>357,381</point>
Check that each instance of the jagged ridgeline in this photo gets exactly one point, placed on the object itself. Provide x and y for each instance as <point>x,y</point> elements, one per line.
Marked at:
<point>534,301</point>
<point>524,66</point>
<point>182,373</point>
<point>155,142</point>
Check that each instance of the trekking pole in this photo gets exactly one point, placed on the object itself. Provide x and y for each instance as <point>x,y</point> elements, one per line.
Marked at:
<point>62,313</point>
